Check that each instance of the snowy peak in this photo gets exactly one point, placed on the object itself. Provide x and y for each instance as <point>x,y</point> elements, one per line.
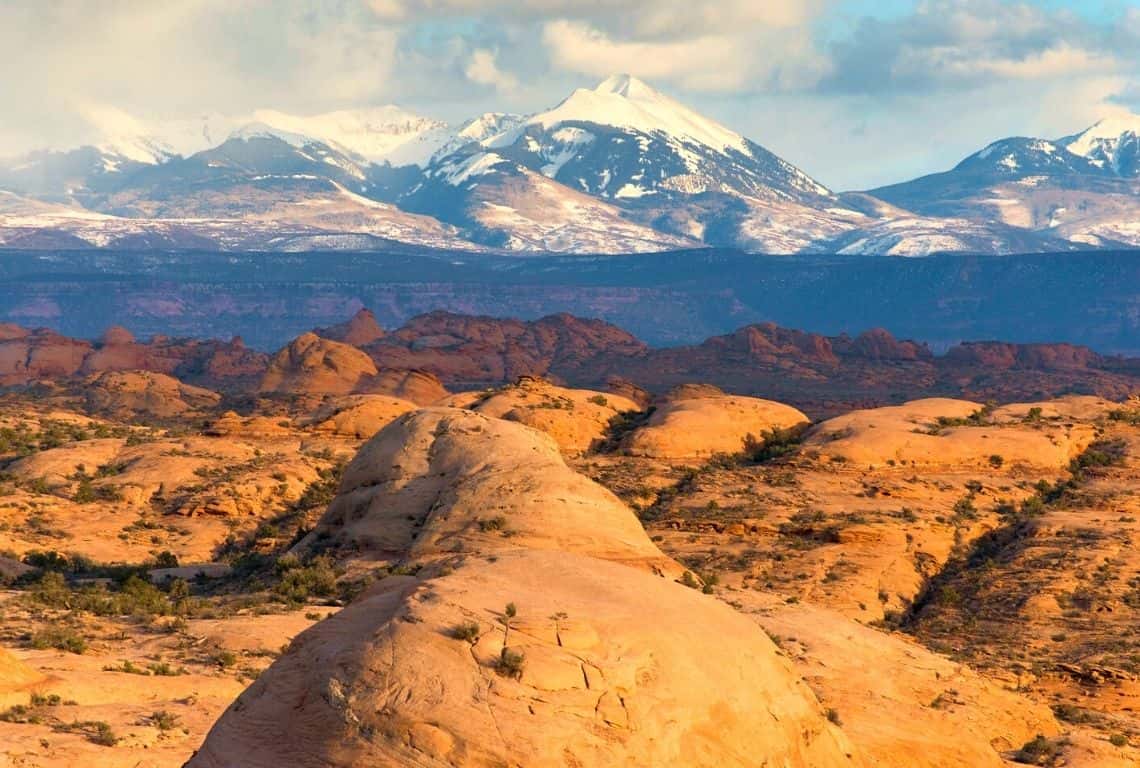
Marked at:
<point>1020,156</point>
<point>629,87</point>
<point>487,125</point>
<point>1112,144</point>
<point>374,133</point>
<point>258,130</point>
<point>624,102</point>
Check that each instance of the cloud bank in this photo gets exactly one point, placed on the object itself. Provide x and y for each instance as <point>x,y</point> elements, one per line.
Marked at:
<point>858,93</point>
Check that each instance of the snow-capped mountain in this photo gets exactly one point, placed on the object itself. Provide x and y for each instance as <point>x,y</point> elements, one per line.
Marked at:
<point>1112,144</point>
<point>625,140</point>
<point>1083,188</point>
<point>617,168</point>
<point>676,177</point>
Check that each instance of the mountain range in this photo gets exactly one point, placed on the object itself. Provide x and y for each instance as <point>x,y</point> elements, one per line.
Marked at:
<point>620,168</point>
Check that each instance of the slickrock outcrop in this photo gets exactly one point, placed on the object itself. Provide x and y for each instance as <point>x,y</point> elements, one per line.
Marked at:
<point>420,387</point>
<point>701,426</point>
<point>441,481</point>
<point>900,703</point>
<point>17,679</point>
<point>127,393</point>
<point>533,642</point>
<point>31,355</point>
<point>577,419</point>
<point>945,432</point>
<point>315,366</point>
<point>357,415</point>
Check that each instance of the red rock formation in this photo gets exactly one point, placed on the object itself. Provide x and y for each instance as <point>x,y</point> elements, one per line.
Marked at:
<point>39,354</point>
<point>469,351</point>
<point>359,330</point>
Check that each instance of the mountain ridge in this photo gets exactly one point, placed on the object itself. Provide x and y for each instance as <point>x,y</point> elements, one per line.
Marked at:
<point>618,168</point>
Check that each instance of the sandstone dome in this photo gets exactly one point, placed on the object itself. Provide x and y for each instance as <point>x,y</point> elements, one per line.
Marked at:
<point>17,679</point>
<point>701,426</point>
<point>945,432</point>
<point>124,393</point>
<point>440,481</point>
<point>577,419</point>
<point>312,365</point>
<point>551,640</point>
<point>357,415</point>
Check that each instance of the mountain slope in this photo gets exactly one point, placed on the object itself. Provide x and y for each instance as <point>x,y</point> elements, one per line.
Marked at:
<point>623,139</point>
<point>1083,188</point>
<point>1112,144</point>
<point>618,168</point>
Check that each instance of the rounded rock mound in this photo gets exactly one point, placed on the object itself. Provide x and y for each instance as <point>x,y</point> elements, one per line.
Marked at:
<point>701,426</point>
<point>946,432</point>
<point>127,393</point>
<point>440,481</point>
<point>577,419</point>
<point>600,665</point>
<point>315,366</point>
<point>357,415</point>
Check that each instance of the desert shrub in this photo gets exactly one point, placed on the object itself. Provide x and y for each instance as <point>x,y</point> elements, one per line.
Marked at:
<point>997,460</point>
<point>300,582</point>
<point>599,400</point>
<point>60,638</point>
<point>467,631</point>
<point>1118,740</point>
<point>497,523</point>
<point>164,721</point>
<point>1126,415</point>
<point>166,559</point>
<point>511,664</point>
<point>163,669</point>
<point>322,491</point>
<point>223,658</point>
<point>964,508</point>
<point>1100,453</point>
<point>1039,751</point>
<point>833,716</point>
<point>87,492</point>
<point>133,596</point>
<point>101,733</point>
<point>775,443</point>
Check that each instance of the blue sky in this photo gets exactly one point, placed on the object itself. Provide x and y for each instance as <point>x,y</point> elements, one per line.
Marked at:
<point>856,92</point>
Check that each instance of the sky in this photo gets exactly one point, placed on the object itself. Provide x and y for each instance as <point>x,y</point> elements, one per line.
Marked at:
<point>858,93</point>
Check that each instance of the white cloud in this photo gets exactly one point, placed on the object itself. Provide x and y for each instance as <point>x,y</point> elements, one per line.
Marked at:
<point>929,84</point>
<point>710,62</point>
<point>483,69</point>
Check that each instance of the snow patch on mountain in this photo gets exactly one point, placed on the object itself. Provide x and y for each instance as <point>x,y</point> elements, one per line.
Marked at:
<point>461,171</point>
<point>1112,143</point>
<point>625,102</point>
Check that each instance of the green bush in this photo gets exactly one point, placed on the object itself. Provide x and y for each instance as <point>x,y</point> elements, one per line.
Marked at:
<point>775,443</point>
<point>60,638</point>
<point>300,582</point>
